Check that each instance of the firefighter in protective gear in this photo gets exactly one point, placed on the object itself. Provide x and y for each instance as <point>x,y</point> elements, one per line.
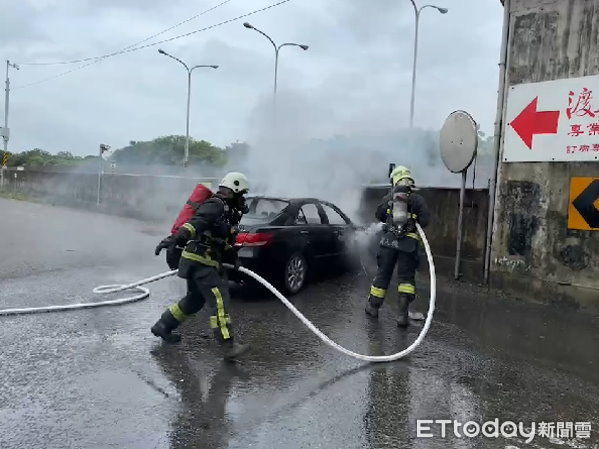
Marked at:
<point>399,211</point>
<point>208,238</point>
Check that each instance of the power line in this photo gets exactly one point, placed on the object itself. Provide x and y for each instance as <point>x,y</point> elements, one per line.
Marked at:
<point>130,50</point>
<point>95,58</point>
<point>59,75</point>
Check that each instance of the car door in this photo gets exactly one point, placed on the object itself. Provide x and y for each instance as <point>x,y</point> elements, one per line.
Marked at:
<point>311,223</point>
<point>339,226</point>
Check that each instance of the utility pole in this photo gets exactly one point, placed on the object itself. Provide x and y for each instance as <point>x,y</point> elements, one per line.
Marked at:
<point>5,131</point>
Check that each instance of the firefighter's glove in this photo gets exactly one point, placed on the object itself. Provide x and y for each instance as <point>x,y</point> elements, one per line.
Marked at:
<point>237,265</point>
<point>411,226</point>
<point>173,256</point>
<point>239,208</point>
<point>170,242</point>
<point>230,256</point>
<point>235,217</point>
<point>242,205</point>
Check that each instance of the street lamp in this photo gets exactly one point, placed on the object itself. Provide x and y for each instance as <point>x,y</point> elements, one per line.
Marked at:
<point>277,49</point>
<point>417,14</point>
<point>189,70</point>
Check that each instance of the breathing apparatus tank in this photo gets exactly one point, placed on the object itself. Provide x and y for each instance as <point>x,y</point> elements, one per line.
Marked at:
<point>402,184</point>
<point>401,193</point>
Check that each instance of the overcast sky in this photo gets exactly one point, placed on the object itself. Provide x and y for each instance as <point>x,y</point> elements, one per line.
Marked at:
<point>354,78</point>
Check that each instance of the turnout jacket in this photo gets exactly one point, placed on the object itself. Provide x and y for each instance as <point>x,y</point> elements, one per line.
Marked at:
<point>418,211</point>
<point>207,235</point>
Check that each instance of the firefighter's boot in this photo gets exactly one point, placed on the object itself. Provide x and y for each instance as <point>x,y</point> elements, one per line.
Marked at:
<point>402,313</point>
<point>375,301</point>
<point>371,310</point>
<point>164,328</point>
<point>232,350</point>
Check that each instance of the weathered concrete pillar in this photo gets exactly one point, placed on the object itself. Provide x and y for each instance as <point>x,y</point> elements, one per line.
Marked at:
<point>533,250</point>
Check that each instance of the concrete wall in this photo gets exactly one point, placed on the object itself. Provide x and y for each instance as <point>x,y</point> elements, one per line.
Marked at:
<point>161,197</point>
<point>139,196</point>
<point>533,250</point>
<point>444,206</point>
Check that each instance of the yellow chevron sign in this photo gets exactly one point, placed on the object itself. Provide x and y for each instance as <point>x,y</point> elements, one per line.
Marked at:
<point>583,211</point>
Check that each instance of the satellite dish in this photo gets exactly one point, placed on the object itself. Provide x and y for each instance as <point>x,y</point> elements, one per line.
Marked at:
<point>458,141</point>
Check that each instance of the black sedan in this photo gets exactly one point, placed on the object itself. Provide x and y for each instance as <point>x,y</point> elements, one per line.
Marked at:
<point>283,239</point>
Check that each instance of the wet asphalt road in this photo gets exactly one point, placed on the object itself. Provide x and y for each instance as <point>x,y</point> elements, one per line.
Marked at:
<point>98,379</point>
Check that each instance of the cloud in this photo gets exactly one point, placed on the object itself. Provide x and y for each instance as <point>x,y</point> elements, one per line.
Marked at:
<point>356,76</point>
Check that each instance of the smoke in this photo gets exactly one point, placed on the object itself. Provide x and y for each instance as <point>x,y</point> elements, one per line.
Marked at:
<point>364,245</point>
<point>310,150</point>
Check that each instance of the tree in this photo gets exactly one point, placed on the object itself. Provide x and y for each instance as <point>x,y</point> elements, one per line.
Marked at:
<point>162,151</point>
<point>38,158</point>
<point>169,150</point>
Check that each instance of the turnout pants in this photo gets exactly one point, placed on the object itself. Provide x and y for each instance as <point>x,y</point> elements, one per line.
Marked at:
<point>406,262</point>
<point>205,285</point>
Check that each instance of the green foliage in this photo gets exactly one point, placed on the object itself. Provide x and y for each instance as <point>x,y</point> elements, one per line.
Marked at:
<point>38,158</point>
<point>165,151</point>
<point>169,150</point>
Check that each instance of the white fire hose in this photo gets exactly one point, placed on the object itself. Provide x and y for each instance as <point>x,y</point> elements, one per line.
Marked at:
<point>331,343</point>
<point>144,293</point>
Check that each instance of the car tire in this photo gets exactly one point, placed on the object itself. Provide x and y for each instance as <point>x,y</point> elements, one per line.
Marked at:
<point>295,273</point>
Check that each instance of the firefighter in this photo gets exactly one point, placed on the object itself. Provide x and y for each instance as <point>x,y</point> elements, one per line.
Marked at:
<point>199,195</point>
<point>208,238</point>
<point>399,211</point>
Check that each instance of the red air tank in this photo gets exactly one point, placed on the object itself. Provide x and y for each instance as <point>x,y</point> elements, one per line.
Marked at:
<point>200,194</point>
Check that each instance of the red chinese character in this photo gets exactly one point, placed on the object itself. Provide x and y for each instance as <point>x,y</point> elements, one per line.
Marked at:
<point>584,148</point>
<point>593,129</point>
<point>570,149</point>
<point>582,106</point>
<point>596,147</point>
<point>576,130</point>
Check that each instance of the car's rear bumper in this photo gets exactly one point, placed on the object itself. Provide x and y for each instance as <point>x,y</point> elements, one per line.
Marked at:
<point>259,261</point>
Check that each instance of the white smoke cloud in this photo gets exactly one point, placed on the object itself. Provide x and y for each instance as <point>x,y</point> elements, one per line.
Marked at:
<point>310,150</point>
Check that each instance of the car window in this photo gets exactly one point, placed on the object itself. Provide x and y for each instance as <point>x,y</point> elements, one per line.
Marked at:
<point>310,214</point>
<point>301,218</point>
<point>334,217</point>
<point>263,210</point>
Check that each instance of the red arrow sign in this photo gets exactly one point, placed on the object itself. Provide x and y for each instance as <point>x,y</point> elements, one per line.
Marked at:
<point>530,122</point>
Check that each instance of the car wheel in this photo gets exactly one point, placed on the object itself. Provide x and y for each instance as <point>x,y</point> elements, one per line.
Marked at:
<point>295,273</point>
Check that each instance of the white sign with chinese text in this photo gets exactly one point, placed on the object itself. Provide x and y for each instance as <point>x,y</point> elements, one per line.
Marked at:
<point>553,121</point>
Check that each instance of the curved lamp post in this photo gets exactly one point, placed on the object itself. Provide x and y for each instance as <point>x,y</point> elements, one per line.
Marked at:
<point>417,12</point>
<point>189,71</point>
<point>277,49</point>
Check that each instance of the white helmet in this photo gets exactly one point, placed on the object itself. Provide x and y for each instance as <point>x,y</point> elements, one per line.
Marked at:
<point>235,181</point>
